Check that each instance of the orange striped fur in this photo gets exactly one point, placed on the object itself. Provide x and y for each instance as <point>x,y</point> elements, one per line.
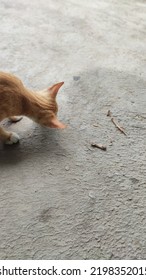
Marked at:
<point>17,100</point>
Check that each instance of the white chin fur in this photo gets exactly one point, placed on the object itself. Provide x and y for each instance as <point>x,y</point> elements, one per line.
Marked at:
<point>13,139</point>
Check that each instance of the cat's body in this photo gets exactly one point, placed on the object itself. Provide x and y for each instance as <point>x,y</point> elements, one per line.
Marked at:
<point>17,100</point>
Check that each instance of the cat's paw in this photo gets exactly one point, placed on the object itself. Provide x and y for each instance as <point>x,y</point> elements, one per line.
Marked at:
<point>13,139</point>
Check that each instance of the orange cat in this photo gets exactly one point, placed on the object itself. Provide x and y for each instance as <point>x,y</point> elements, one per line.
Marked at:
<point>16,100</point>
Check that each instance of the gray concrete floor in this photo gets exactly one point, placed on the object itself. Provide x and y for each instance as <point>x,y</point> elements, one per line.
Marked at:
<point>60,198</point>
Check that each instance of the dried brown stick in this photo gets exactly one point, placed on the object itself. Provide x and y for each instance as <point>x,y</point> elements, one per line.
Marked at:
<point>115,123</point>
<point>99,146</point>
<point>119,127</point>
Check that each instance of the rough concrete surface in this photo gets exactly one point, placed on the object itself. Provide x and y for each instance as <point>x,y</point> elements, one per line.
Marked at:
<point>59,197</point>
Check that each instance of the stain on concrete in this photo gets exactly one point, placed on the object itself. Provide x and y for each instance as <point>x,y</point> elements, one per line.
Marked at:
<point>76,78</point>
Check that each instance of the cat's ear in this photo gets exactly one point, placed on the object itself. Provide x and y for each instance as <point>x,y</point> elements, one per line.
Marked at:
<point>55,123</point>
<point>54,89</point>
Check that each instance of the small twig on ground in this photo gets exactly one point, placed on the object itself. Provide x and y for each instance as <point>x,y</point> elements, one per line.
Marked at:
<point>109,114</point>
<point>99,146</point>
<point>96,124</point>
<point>119,127</point>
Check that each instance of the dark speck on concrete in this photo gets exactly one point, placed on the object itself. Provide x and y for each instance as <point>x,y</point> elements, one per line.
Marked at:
<point>76,78</point>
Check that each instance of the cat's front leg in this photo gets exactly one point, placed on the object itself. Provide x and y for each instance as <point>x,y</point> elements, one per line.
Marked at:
<point>15,119</point>
<point>8,138</point>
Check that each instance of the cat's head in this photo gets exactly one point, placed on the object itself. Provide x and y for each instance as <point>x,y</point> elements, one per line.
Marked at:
<point>51,94</point>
